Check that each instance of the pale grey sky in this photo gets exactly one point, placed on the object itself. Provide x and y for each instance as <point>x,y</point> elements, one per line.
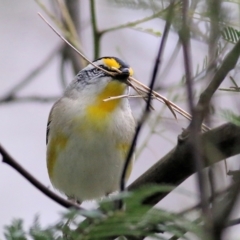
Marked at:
<point>25,42</point>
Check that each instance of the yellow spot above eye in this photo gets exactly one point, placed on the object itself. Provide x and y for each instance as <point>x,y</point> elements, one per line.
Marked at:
<point>101,109</point>
<point>111,63</point>
<point>56,145</point>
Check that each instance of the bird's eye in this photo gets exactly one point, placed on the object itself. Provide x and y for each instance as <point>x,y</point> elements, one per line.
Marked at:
<point>96,71</point>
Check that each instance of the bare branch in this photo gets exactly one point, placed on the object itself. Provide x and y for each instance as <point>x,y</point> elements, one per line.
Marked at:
<point>6,158</point>
<point>196,149</point>
<point>232,223</point>
<point>227,65</point>
<point>151,85</point>
<point>224,209</point>
<point>70,11</point>
<point>178,164</point>
<point>30,77</point>
<point>29,99</point>
<point>131,80</point>
<point>74,48</point>
<point>134,23</point>
<point>96,34</point>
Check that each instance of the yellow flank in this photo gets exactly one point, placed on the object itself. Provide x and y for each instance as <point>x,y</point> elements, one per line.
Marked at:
<point>56,145</point>
<point>124,148</point>
<point>111,62</point>
<point>100,109</point>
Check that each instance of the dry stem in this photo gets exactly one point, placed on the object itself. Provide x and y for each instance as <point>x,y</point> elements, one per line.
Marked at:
<point>139,87</point>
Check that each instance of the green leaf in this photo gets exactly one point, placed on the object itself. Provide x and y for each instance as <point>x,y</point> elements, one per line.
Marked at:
<point>138,196</point>
<point>231,116</point>
<point>230,34</point>
<point>149,31</point>
<point>15,230</point>
<point>136,220</point>
<point>137,4</point>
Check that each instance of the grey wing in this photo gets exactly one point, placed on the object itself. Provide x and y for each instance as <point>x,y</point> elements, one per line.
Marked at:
<point>49,122</point>
<point>48,129</point>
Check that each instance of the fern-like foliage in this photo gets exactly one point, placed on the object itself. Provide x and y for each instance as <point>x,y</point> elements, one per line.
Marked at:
<point>15,231</point>
<point>231,116</point>
<point>230,34</point>
<point>139,4</point>
<point>137,220</point>
<point>148,31</point>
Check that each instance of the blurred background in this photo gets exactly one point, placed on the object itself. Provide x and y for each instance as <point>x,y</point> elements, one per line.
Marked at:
<point>30,49</point>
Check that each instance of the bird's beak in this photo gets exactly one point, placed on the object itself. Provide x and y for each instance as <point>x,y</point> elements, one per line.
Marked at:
<point>125,74</point>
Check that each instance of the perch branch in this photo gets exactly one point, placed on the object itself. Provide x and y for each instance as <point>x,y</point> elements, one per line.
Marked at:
<point>6,158</point>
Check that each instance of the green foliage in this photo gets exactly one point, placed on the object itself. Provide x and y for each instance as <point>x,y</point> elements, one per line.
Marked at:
<point>231,116</point>
<point>138,4</point>
<point>149,31</point>
<point>15,231</point>
<point>136,220</point>
<point>230,34</point>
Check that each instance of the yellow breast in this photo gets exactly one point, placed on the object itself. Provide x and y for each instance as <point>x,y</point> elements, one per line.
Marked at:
<point>95,119</point>
<point>100,109</point>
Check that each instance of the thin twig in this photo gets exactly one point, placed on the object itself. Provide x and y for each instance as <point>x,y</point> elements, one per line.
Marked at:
<point>152,131</point>
<point>6,158</point>
<point>232,223</point>
<point>214,7</point>
<point>135,88</point>
<point>63,80</point>
<point>69,22</point>
<point>66,41</point>
<point>218,143</point>
<point>233,81</point>
<point>210,200</point>
<point>228,64</point>
<point>70,12</point>
<point>145,89</point>
<point>231,89</point>
<point>30,77</point>
<point>225,209</point>
<point>234,88</point>
<point>154,94</point>
<point>151,85</point>
<point>134,23</point>
<point>121,96</point>
<point>53,18</point>
<point>29,99</point>
<point>196,146</point>
<point>171,60</point>
<point>96,34</point>
<point>139,87</point>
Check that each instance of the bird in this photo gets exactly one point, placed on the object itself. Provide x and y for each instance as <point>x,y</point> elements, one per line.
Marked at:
<point>88,139</point>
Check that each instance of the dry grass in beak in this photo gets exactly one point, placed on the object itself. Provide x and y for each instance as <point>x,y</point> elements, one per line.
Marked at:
<point>143,92</point>
<point>75,49</point>
<point>121,96</point>
<point>155,95</point>
<point>140,94</point>
<point>140,88</point>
